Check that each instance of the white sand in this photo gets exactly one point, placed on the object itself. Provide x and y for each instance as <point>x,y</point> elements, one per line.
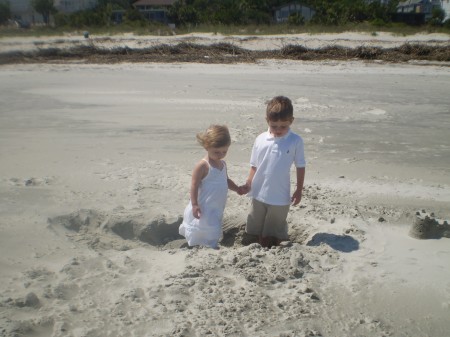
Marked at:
<point>94,177</point>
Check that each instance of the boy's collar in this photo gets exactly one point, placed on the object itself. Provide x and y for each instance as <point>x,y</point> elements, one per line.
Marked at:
<point>271,136</point>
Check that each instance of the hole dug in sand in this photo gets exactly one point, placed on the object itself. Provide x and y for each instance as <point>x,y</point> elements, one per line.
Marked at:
<point>93,227</point>
<point>100,230</point>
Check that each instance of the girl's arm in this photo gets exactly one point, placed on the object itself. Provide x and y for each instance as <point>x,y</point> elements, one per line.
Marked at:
<point>200,171</point>
<point>232,186</point>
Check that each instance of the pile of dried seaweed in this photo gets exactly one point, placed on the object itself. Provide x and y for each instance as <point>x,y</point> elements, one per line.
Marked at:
<point>225,53</point>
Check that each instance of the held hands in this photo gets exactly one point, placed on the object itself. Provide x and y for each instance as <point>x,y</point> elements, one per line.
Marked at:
<point>296,197</point>
<point>196,211</point>
<point>243,189</point>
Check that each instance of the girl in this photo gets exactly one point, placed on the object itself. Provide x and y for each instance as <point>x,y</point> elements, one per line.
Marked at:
<point>202,221</point>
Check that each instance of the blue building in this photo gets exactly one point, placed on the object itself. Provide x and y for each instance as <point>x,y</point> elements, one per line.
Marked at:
<point>419,7</point>
<point>283,12</point>
<point>154,10</point>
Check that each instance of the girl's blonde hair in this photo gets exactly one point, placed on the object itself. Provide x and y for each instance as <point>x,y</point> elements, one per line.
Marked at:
<point>214,136</point>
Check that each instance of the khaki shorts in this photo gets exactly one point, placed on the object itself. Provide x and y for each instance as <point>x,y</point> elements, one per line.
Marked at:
<point>267,220</point>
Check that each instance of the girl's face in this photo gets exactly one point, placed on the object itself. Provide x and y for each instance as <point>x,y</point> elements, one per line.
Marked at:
<point>217,153</point>
<point>279,128</point>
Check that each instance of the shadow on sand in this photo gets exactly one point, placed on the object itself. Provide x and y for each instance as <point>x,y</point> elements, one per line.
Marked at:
<point>343,243</point>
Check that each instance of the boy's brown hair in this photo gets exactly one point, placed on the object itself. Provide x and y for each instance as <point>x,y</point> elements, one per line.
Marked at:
<point>279,108</point>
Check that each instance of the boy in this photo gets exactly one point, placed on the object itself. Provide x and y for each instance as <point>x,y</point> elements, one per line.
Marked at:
<point>268,183</point>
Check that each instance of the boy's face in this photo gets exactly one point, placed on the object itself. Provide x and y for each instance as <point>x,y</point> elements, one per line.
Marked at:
<point>279,128</point>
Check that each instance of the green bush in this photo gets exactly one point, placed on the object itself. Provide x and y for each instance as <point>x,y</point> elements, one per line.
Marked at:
<point>446,24</point>
<point>133,15</point>
<point>378,22</point>
<point>296,19</point>
<point>438,14</point>
<point>61,20</point>
<point>5,12</point>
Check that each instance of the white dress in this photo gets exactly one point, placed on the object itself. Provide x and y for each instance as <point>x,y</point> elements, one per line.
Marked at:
<point>212,197</point>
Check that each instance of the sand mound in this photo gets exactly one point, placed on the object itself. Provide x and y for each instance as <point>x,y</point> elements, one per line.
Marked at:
<point>426,226</point>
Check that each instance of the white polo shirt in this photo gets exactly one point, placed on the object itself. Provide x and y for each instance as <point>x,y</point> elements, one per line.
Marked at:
<point>273,158</point>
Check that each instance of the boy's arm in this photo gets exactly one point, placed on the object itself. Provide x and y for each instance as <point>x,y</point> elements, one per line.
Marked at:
<point>297,196</point>
<point>251,174</point>
<point>244,189</point>
<point>248,184</point>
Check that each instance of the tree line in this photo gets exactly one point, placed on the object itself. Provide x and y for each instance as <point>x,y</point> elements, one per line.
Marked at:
<point>225,12</point>
<point>328,12</point>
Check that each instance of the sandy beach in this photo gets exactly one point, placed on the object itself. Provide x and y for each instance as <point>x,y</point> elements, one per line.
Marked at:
<point>96,162</point>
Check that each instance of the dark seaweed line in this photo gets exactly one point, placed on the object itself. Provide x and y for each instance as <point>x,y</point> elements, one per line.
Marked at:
<point>226,53</point>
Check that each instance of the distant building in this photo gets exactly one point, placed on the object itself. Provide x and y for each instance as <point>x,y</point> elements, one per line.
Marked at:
<point>383,2</point>
<point>23,10</point>
<point>282,13</point>
<point>419,7</point>
<point>154,10</point>
<point>445,4</point>
<point>71,6</point>
<point>419,11</point>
